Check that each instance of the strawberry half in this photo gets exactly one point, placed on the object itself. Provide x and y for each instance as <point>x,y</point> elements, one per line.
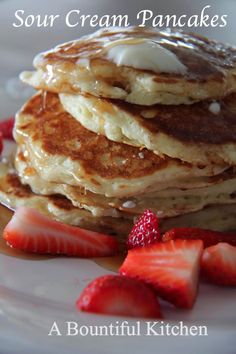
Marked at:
<point>208,237</point>
<point>172,268</point>
<point>219,264</point>
<point>6,128</point>
<point>145,231</point>
<point>117,295</point>
<point>1,143</point>
<point>31,231</point>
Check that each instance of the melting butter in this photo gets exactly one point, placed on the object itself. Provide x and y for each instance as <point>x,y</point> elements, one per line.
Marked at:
<point>144,54</point>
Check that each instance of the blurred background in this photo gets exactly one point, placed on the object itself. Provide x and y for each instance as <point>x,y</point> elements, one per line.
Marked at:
<point>18,46</point>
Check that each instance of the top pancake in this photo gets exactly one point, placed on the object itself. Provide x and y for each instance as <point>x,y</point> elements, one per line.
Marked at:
<point>83,65</point>
<point>63,151</point>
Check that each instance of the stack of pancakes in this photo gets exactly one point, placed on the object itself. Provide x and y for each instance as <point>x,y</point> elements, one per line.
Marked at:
<point>102,141</point>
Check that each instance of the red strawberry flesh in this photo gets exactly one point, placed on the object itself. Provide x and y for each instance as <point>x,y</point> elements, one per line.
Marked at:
<point>6,128</point>
<point>120,296</point>
<point>30,231</point>
<point>172,268</point>
<point>1,143</point>
<point>219,264</point>
<point>145,231</point>
<point>208,237</point>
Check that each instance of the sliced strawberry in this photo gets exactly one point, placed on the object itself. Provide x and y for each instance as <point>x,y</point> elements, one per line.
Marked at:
<point>1,143</point>
<point>117,295</point>
<point>145,231</point>
<point>219,264</point>
<point>6,128</point>
<point>172,268</point>
<point>31,231</point>
<point>208,237</point>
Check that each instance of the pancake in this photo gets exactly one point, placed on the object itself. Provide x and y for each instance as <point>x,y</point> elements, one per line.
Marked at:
<point>138,65</point>
<point>191,133</point>
<point>63,151</point>
<point>168,203</point>
<point>14,194</point>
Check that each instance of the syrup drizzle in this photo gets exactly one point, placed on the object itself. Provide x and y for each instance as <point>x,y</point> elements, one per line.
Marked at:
<point>200,55</point>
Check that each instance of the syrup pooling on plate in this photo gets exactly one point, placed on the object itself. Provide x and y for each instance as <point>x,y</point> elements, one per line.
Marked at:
<point>110,263</point>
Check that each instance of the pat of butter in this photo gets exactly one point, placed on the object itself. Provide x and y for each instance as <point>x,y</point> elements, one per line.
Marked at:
<point>144,54</point>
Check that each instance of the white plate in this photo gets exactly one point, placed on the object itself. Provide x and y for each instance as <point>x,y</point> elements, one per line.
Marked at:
<point>35,293</point>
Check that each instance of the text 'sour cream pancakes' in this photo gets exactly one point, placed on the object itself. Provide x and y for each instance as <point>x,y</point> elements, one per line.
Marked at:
<point>129,119</point>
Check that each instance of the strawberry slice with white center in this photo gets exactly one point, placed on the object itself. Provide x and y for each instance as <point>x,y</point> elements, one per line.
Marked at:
<point>219,264</point>
<point>120,296</point>
<point>30,231</point>
<point>172,268</point>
